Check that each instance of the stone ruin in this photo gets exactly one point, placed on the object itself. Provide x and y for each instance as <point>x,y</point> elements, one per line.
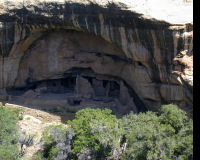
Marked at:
<point>79,89</point>
<point>70,55</point>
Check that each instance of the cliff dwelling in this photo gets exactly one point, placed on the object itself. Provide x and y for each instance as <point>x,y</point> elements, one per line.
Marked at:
<point>76,55</point>
<point>70,70</point>
<point>96,79</point>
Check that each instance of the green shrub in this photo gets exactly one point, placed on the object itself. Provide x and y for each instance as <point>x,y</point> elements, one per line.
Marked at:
<point>9,133</point>
<point>48,137</point>
<point>38,156</point>
<point>183,126</point>
<point>57,143</point>
<point>165,136</point>
<point>97,130</point>
<point>173,116</point>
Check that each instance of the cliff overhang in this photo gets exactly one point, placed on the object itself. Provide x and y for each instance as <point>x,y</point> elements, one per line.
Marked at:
<point>42,41</point>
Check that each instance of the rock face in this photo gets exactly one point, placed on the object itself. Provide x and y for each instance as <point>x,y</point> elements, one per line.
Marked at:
<point>49,40</point>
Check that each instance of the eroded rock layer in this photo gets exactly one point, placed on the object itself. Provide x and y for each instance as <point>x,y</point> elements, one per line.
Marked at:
<point>147,62</point>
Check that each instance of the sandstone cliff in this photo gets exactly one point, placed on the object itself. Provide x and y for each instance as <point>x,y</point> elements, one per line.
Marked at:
<point>41,40</point>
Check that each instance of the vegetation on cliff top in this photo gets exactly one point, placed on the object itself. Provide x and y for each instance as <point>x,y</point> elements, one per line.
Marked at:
<point>97,134</point>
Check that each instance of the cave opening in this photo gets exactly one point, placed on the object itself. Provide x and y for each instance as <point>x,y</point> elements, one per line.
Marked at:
<point>79,88</point>
<point>74,70</point>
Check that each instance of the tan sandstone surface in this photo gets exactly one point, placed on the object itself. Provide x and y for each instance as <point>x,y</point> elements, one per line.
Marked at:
<point>44,40</point>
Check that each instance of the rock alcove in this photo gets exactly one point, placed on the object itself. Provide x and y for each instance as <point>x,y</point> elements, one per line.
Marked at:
<point>43,43</point>
<point>68,70</point>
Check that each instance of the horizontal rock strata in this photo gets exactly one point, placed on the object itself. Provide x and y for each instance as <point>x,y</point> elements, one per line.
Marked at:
<point>45,40</point>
